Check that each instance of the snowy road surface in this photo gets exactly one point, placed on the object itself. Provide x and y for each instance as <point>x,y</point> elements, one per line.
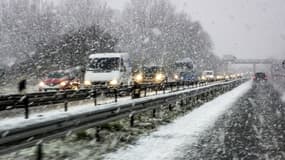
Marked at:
<point>172,140</point>
<point>253,129</point>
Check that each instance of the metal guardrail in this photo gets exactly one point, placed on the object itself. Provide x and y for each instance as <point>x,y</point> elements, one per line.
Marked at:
<point>17,101</point>
<point>18,138</point>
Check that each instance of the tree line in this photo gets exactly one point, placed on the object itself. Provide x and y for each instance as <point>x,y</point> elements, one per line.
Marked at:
<point>37,36</point>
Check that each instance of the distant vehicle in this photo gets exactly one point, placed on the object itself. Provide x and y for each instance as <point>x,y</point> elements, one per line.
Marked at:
<point>108,69</point>
<point>183,67</point>
<point>208,75</point>
<point>150,75</point>
<point>221,76</point>
<point>189,76</point>
<point>260,76</point>
<point>59,80</point>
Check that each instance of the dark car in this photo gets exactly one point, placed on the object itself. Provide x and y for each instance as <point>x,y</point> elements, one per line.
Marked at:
<point>150,75</point>
<point>188,76</point>
<point>260,76</point>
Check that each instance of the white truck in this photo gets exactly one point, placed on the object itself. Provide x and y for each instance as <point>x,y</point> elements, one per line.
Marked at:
<point>108,69</point>
<point>208,75</point>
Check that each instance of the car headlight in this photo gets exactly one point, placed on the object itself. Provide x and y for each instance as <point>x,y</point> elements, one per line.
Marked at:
<point>176,76</point>
<point>64,83</point>
<point>203,78</point>
<point>41,84</point>
<point>159,77</point>
<point>139,78</point>
<point>87,83</point>
<point>114,82</point>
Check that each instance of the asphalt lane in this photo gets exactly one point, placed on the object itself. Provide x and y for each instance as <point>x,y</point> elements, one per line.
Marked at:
<point>254,128</point>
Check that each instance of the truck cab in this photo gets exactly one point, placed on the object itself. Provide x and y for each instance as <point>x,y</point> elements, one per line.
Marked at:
<point>150,75</point>
<point>108,69</point>
<point>208,75</point>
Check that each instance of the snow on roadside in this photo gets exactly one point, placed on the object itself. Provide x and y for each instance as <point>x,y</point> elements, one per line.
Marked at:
<point>283,97</point>
<point>280,88</point>
<point>166,142</point>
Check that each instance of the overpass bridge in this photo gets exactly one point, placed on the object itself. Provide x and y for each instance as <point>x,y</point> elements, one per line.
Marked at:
<point>229,59</point>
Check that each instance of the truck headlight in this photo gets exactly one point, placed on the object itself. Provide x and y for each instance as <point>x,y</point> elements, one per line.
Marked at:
<point>219,77</point>
<point>159,77</point>
<point>139,78</point>
<point>114,82</point>
<point>87,83</point>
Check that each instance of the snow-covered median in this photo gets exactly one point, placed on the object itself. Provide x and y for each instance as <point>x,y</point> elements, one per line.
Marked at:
<point>169,140</point>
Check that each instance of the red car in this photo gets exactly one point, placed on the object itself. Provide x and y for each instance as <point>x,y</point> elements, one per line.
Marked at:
<point>260,76</point>
<point>59,80</point>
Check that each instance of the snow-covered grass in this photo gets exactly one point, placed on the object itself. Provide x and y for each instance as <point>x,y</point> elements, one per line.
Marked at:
<point>169,140</point>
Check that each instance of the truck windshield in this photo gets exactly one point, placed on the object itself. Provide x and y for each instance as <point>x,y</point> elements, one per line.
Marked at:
<point>103,64</point>
<point>152,70</point>
<point>208,73</point>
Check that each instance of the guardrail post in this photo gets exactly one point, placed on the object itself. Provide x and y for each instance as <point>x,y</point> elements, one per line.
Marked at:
<point>94,96</point>
<point>39,152</point>
<point>164,88</point>
<point>136,91</point>
<point>154,113</point>
<point>177,86</point>
<point>65,105</point>
<point>26,103</point>
<point>171,87</point>
<point>145,91</point>
<point>156,90</point>
<point>181,102</point>
<point>97,134</point>
<point>132,121</point>
<point>65,102</point>
<point>170,108</point>
<point>116,95</point>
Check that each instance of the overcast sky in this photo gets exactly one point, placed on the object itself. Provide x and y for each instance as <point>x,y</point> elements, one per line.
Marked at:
<point>244,28</point>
